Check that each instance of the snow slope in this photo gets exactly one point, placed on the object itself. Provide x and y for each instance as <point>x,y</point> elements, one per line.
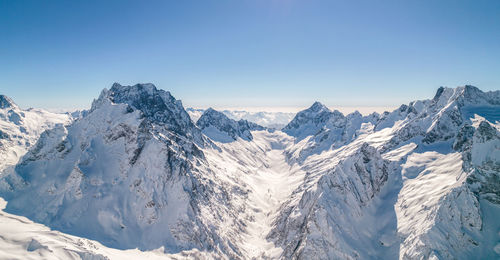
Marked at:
<point>23,239</point>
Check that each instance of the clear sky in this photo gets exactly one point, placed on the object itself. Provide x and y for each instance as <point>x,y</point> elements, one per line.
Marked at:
<point>237,53</point>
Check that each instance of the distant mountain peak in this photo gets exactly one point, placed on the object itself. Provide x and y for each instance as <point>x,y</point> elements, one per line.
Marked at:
<point>439,92</point>
<point>211,111</point>
<point>6,102</point>
<point>309,121</point>
<point>218,127</point>
<point>318,107</point>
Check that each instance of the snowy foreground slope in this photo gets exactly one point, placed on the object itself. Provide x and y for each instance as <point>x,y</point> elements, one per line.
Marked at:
<point>23,239</point>
<point>421,182</point>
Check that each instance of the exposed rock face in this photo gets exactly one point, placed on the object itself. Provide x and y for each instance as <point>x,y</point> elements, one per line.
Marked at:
<point>481,158</point>
<point>219,127</point>
<point>6,102</point>
<point>155,105</point>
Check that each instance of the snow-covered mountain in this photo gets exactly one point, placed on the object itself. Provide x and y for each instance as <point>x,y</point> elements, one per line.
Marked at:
<point>219,127</point>
<point>422,206</point>
<point>272,120</point>
<point>317,129</point>
<point>20,129</point>
<point>420,182</point>
<point>130,174</point>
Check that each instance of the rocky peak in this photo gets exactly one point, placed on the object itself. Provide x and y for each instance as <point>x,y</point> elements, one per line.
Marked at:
<point>486,132</point>
<point>218,126</point>
<point>6,102</point>
<point>465,95</point>
<point>475,96</point>
<point>310,120</point>
<point>318,107</point>
<point>355,114</point>
<point>481,155</point>
<point>156,105</point>
<point>444,96</point>
<point>439,92</point>
<point>211,113</point>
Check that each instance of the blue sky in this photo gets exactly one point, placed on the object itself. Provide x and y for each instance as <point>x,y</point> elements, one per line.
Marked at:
<point>227,53</point>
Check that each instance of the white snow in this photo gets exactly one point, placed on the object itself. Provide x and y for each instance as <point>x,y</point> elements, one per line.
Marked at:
<point>433,203</point>
<point>21,238</point>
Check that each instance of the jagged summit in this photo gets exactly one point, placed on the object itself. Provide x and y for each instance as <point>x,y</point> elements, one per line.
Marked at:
<point>327,128</point>
<point>440,118</point>
<point>318,107</point>
<point>474,94</point>
<point>465,95</point>
<point>437,119</point>
<point>217,126</point>
<point>439,92</point>
<point>310,121</point>
<point>6,102</point>
<point>211,112</point>
<point>156,105</point>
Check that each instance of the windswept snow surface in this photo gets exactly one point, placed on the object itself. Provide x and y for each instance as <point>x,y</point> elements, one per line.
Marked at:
<point>420,182</point>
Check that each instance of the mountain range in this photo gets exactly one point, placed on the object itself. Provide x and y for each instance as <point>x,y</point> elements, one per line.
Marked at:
<point>137,172</point>
<point>276,120</point>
